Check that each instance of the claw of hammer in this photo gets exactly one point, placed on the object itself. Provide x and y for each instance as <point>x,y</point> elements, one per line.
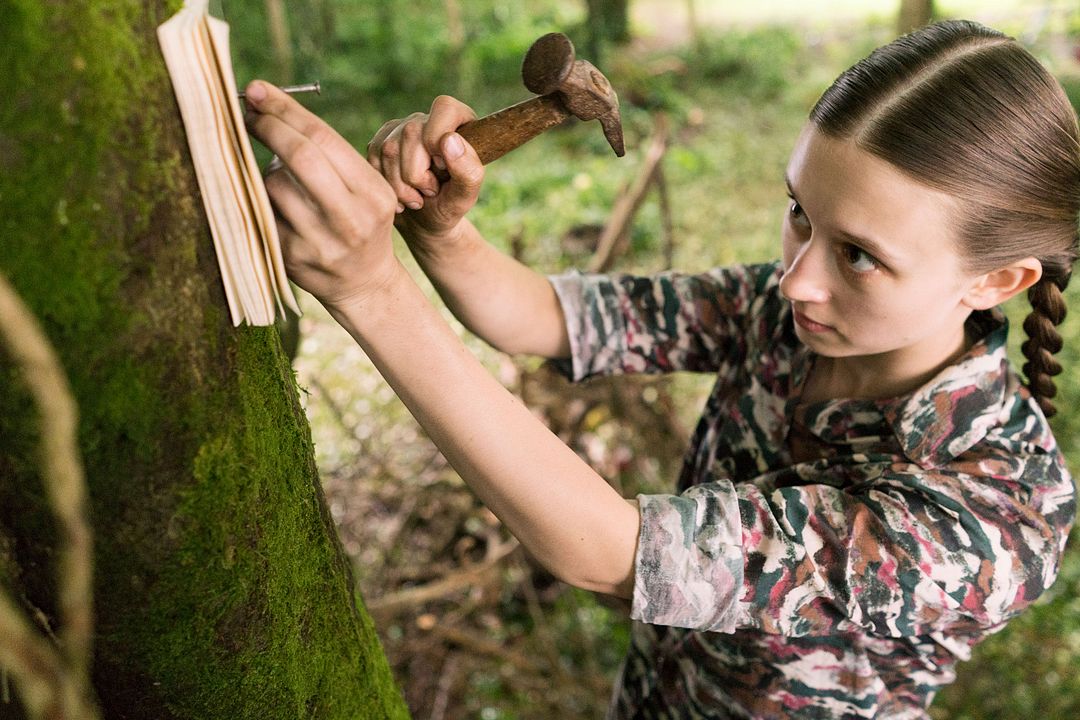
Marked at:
<point>565,87</point>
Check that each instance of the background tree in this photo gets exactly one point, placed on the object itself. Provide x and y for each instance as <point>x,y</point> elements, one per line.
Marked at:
<point>914,14</point>
<point>220,586</point>
<point>608,23</point>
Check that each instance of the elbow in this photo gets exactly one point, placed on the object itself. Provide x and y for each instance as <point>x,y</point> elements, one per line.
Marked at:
<point>606,565</point>
<point>600,582</point>
<point>599,554</point>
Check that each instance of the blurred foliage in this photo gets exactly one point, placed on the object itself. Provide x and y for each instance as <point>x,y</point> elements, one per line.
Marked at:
<point>379,60</point>
<point>736,100</point>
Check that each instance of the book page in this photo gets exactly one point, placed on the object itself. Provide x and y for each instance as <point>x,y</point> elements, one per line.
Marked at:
<point>254,279</point>
<point>196,51</point>
<point>261,208</point>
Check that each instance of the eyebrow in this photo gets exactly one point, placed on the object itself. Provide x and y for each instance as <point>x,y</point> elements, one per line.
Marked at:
<point>868,244</point>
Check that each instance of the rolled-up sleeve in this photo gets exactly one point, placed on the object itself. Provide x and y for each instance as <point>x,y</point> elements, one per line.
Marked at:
<point>689,563</point>
<point>663,323</point>
<point>909,554</point>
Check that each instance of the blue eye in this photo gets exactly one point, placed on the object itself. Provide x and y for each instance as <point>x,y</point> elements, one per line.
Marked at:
<point>858,259</point>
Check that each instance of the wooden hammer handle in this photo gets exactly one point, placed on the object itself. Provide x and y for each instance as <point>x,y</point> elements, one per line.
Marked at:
<point>494,135</point>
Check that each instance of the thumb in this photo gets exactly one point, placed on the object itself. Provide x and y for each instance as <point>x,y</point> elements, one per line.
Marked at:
<point>465,170</point>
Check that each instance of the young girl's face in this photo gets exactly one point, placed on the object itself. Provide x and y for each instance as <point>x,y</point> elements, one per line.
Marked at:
<point>871,265</point>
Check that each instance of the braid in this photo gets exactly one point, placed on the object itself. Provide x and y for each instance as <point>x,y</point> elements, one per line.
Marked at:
<point>1047,312</point>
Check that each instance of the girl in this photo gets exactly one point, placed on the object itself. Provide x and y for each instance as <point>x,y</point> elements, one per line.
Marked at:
<point>871,489</point>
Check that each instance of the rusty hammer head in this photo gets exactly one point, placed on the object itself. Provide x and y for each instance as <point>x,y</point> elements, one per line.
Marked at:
<point>549,67</point>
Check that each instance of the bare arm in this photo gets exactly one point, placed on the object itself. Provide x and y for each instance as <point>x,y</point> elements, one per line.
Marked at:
<point>337,214</point>
<point>567,516</point>
<point>509,305</point>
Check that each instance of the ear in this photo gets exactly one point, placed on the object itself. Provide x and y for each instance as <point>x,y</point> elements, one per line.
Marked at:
<point>997,286</point>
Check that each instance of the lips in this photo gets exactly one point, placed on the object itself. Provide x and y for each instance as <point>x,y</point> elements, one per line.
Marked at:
<point>807,324</point>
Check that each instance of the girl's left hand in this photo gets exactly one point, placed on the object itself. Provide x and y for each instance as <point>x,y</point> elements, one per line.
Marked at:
<point>335,212</point>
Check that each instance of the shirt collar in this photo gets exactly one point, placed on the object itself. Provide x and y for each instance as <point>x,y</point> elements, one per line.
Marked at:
<point>940,420</point>
<point>959,406</point>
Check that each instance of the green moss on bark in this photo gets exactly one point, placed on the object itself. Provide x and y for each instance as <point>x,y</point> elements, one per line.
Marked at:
<point>221,588</point>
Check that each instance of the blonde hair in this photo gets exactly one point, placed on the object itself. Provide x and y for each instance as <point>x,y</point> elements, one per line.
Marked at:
<point>967,110</point>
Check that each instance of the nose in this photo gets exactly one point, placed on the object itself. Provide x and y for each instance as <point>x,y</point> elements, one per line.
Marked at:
<point>805,275</point>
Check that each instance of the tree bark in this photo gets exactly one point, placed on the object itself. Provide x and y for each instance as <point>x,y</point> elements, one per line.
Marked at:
<point>220,587</point>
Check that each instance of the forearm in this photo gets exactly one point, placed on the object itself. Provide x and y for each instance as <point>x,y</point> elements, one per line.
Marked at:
<point>565,514</point>
<point>337,212</point>
<point>507,304</point>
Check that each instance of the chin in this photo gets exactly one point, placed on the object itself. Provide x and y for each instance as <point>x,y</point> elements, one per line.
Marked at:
<point>830,345</point>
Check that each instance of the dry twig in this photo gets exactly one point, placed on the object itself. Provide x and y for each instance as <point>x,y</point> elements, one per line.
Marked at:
<point>667,224</point>
<point>442,692</point>
<point>465,639</point>
<point>49,680</point>
<point>617,229</point>
<point>541,629</point>
<point>441,588</point>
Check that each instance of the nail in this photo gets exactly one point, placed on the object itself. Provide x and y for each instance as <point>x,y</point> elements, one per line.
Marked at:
<point>414,205</point>
<point>257,92</point>
<point>314,87</point>
<point>455,148</point>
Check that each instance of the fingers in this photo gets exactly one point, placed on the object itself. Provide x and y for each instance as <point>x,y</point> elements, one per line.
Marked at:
<point>374,152</point>
<point>292,206</point>
<point>466,175</point>
<point>304,142</point>
<point>447,115</point>
<point>404,151</point>
<point>415,162</point>
<point>398,153</point>
<point>325,184</point>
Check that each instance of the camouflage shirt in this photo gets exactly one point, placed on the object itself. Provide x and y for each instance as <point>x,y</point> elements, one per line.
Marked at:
<point>847,586</point>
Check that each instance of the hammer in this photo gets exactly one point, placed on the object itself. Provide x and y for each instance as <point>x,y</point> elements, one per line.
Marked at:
<point>564,87</point>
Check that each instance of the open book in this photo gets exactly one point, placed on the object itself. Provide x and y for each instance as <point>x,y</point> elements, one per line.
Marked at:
<point>196,50</point>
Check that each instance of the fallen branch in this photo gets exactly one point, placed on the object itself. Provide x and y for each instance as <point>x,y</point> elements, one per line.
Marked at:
<point>667,225</point>
<point>541,628</point>
<point>468,641</point>
<point>444,586</point>
<point>447,677</point>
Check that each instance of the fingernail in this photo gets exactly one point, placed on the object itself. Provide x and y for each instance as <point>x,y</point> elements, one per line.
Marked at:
<point>256,92</point>
<point>428,192</point>
<point>455,148</point>
<point>400,208</point>
<point>414,205</point>
<point>439,162</point>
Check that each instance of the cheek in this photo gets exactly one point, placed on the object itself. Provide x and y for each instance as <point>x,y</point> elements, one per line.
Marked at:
<point>789,246</point>
<point>890,316</point>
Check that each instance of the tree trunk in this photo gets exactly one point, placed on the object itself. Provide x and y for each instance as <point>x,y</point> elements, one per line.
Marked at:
<point>914,14</point>
<point>608,23</point>
<point>278,23</point>
<point>220,587</point>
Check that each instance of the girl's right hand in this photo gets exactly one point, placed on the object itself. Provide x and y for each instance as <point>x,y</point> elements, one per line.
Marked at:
<point>405,152</point>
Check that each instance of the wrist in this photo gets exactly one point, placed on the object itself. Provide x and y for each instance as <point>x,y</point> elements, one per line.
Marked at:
<point>382,285</point>
<point>439,246</point>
